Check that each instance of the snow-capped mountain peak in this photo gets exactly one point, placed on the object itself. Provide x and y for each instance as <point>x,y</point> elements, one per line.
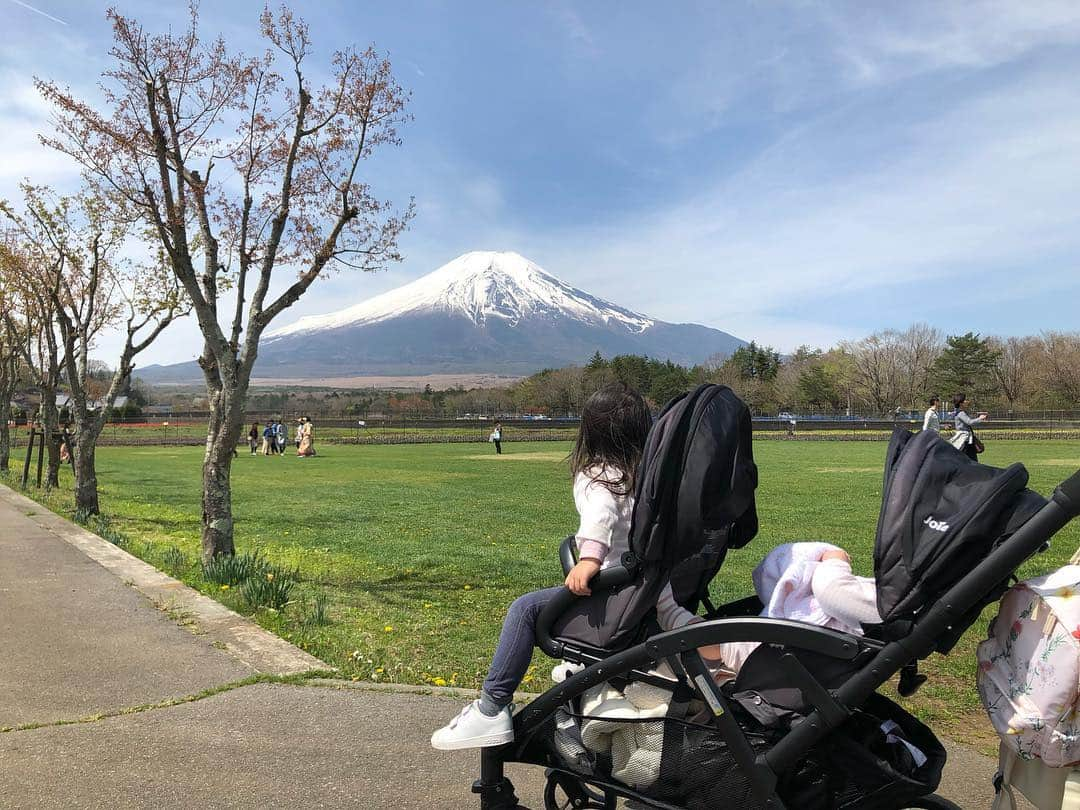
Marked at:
<point>481,285</point>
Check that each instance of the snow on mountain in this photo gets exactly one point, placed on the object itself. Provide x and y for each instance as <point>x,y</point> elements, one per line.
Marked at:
<point>484,312</point>
<point>481,285</point>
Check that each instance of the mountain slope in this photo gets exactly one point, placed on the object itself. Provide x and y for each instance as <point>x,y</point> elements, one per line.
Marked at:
<point>482,312</point>
<point>482,287</point>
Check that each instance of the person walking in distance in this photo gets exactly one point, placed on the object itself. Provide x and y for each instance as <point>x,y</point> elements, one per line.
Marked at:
<point>281,437</point>
<point>253,438</point>
<point>496,438</point>
<point>931,419</point>
<point>66,455</point>
<point>307,439</point>
<point>964,438</point>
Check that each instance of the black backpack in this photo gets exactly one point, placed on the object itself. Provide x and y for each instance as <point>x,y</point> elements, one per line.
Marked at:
<point>694,500</point>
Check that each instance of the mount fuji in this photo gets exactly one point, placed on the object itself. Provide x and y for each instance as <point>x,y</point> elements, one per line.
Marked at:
<point>482,312</point>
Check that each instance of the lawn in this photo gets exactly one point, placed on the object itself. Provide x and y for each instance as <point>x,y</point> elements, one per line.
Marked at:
<point>419,549</point>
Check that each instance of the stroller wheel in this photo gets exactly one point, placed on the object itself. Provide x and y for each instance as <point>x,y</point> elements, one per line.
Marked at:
<point>564,792</point>
<point>932,802</point>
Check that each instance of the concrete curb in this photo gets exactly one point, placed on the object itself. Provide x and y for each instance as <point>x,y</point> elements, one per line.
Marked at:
<point>457,693</point>
<point>225,629</point>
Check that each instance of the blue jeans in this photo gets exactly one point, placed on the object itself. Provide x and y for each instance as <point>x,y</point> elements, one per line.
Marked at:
<point>516,642</point>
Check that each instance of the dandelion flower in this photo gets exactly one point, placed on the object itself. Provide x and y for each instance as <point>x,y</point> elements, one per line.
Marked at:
<point>468,587</point>
<point>224,587</point>
<point>388,629</point>
<point>439,682</point>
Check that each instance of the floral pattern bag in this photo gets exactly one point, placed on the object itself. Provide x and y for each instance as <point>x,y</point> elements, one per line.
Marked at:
<point>1029,669</point>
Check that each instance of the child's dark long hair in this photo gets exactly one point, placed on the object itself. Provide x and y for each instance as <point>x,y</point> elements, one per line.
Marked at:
<point>614,424</point>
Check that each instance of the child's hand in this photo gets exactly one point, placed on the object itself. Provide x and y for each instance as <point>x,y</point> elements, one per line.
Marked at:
<point>578,578</point>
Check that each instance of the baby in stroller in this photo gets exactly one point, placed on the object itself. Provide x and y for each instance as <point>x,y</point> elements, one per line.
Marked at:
<point>809,582</point>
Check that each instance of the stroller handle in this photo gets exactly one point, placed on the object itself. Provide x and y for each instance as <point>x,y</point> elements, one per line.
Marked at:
<point>1067,494</point>
<point>568,554</point>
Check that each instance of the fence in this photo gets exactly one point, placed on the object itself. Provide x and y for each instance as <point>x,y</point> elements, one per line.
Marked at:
<point>1026,426</point>
<point>190,429</point>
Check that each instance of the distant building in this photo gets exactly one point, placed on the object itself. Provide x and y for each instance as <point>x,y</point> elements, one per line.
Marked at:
<point>64,401</point>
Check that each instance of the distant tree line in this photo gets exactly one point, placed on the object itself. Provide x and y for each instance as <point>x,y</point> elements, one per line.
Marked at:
<point>884,371</point>
<point>873,376</point>
<point>900,369</point>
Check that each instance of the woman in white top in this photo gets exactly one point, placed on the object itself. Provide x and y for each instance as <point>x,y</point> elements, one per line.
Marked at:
<point>931,420</point>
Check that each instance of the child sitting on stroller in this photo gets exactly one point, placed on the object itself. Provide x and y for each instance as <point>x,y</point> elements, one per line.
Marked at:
<point>614,424</point>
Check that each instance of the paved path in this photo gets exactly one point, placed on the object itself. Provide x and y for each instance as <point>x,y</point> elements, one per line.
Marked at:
<point>108,696</point>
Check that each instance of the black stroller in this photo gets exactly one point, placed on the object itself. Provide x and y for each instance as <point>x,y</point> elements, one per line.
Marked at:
<point>802,724</point>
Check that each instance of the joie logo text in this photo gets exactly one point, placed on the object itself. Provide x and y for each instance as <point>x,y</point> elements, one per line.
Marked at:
<point>936,525</point>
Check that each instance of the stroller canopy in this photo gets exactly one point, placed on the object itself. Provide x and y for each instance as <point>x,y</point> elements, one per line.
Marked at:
<point>695,494</point>
<point>941,513</point>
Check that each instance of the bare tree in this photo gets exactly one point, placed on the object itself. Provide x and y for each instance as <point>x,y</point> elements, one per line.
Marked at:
<point>919,347</point>
<point>28,268</point>
<point>91,288</point>
<point>876,370</point>
<point>9,380</point>
<point>1014,369</point>
<point>1061,366</point>
<point>295,203</point>
<point>12,340</point>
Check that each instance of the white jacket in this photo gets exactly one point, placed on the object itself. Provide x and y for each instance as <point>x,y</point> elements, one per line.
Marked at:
<point>932,421</point>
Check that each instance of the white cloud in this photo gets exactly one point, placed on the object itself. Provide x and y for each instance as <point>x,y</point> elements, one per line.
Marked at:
<point>932,36</point>
<point>24,114</point>
<point>987,186</point>
<point>854,189</point>
<point>574,27</point>
<point>38,11</point>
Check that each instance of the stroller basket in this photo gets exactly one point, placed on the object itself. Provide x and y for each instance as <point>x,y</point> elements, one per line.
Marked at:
<point>677,762</point>
<point>685,761</point>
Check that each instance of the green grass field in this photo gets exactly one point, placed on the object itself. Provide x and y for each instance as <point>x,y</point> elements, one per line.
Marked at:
<point>420,549</point>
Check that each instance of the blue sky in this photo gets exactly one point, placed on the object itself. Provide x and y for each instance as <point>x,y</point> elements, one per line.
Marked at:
<point>794,172</point>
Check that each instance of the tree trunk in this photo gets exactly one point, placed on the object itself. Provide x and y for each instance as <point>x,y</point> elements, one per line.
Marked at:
<point>5,434</point>
<point>86,489</point>
<point>226,413</point>
<point>50,422</point>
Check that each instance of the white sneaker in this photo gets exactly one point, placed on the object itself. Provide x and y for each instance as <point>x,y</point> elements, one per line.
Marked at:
<point>474,729</point>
